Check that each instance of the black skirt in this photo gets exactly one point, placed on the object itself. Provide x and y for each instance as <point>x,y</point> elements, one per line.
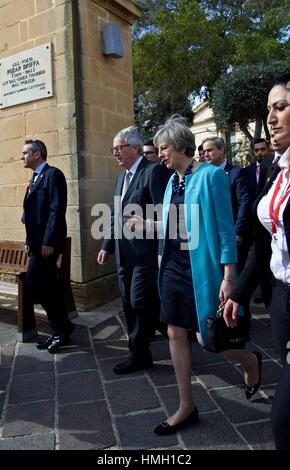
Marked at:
<point>177,296</point>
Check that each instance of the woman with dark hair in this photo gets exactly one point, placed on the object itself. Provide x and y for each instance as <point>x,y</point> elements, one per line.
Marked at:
<point>197,268</point>
<point>270,255</point>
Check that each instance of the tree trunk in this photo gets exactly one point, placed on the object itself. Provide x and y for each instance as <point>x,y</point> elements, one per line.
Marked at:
<point>266,129</point>
<point>258,128</point>
<point>247,133</point>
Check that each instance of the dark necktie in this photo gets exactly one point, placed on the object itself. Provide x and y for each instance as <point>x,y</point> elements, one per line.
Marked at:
<point>32,182</point>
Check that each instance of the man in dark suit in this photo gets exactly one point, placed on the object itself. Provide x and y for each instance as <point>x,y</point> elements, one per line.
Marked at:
<point>215,153</point>
<point>269,164</point>
<point>200,153</point>
<point>44,209</point>
<point>150,151</point>
<point>255,172</point>
<point>142,184</point>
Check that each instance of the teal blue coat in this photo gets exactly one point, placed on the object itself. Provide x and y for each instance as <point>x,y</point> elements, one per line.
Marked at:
<point>211,234</point>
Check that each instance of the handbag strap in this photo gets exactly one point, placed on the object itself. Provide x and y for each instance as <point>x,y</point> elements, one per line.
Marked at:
<point>220,310</point>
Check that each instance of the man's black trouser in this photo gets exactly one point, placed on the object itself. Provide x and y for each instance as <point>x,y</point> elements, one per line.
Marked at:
<point>43,288</point>
<point>138,288</point>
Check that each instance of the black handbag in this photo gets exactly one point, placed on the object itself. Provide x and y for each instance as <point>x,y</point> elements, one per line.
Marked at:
<point>219,337</point>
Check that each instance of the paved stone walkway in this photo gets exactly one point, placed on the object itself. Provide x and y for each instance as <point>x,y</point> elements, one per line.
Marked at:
<point>73,399</point>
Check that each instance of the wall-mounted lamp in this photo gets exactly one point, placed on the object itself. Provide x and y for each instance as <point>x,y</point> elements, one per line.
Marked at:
<point>111,38</point>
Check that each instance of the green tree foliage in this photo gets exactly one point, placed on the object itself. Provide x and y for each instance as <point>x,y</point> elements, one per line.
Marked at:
<point>182,47</point>
<point>241,96</point>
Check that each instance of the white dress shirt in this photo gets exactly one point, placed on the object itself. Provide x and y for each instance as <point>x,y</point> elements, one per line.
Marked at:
<point>280,259</point>
<point>134,167</point>
<point>258,170</point>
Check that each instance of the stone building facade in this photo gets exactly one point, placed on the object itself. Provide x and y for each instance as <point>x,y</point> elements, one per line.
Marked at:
<point>92,100</point>
<point>204,126</point>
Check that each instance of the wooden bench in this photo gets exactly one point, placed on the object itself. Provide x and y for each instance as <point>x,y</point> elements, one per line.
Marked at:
<point>14,260</point>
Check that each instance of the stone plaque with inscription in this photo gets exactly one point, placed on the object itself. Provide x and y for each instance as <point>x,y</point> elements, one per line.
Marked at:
<point>26,76</point>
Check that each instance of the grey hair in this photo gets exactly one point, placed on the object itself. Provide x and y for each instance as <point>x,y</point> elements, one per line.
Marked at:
<point>176,132</point>
<point>130,135</point>
<point>218,142</point>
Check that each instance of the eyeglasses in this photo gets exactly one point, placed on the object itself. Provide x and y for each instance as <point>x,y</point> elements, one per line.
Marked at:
<point>119,148</point>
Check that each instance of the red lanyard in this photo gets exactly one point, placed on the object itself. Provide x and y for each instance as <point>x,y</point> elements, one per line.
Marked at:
<point>274,214</point>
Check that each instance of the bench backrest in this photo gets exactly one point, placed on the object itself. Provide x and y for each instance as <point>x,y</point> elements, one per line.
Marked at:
<point>13,258</point>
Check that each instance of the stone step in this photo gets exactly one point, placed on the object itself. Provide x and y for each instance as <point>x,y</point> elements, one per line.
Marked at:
<point>9,289</point>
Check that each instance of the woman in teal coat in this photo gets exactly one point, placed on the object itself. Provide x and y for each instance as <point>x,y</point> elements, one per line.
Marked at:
<point>197,269</point>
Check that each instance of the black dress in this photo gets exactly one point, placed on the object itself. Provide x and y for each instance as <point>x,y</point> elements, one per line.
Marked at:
<point>177,293</point>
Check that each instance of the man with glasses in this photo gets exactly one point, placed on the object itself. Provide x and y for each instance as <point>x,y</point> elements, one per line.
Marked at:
<point>142,184</point>
<point>44,209</point>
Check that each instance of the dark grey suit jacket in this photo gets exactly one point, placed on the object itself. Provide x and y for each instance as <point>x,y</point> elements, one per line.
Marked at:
<point>240,197</point>
<point>44,209</point>
<point>146,188</point>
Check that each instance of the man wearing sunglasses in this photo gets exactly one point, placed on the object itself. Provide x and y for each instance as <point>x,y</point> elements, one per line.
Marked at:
<point>44,209</point>
<point>142,184</point>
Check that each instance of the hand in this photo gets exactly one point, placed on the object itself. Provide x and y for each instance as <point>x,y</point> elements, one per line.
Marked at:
<point>103,257</point>
<point>135,223</point>
<point>231,313</point>
<point>46,251</point>
<point>239,240</point>
<point>225,290</point>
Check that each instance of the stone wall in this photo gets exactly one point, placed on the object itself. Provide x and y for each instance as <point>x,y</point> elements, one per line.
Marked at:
<point>105,103</point>
<point>24,25</point>
<point>93,99</point>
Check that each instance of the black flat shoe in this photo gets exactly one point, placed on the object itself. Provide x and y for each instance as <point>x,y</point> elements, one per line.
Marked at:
<point>163,429</point>
<point>251,390</point>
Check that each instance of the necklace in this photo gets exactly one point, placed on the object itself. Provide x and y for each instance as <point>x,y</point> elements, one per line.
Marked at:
<point>178,187</point>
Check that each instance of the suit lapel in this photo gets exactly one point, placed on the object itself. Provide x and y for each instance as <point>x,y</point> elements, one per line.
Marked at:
<point>227,168</point>
<point>37,182</point>
<point>269,182</point>
<point>266,188</point>
<point>119,184</point>
<point>286,213</point>
<point>253,174</point>
<point>135,179</point>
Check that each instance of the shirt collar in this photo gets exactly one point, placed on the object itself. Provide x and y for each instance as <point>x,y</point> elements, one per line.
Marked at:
<point>223,165</point>
<point>135,166</point>
<point>39,168</point>
<point>284,160</point>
